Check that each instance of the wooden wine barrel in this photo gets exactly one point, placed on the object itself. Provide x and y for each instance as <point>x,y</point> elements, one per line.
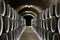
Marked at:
<point>33,22</point>
<point>43,15</point>
<point>4,37</point>
<point>46,24</point>
<point>2,8</point>
<point>15,15</point>
<point>6,24</point>
<point>10,36</point>
<point>11,24</point>
<point>49,35</point>
<point>46,13</point>
<point>56,36</point>
<point>1,25</point>
<point>12,13</point>
<point>45,35</point>
<point>53,24</point>
<point>40,16</point>
<point>59,25</point>
<point>57,9</point>
<point>14,34</point>
<point>43,24</point>
<point>15,24</point>
<point>51,10</point>
<point>8,11</point>
<point>48,21</point>
<point>42,34</point>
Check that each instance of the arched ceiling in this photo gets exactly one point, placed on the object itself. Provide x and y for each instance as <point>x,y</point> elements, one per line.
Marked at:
<point>42,4</point>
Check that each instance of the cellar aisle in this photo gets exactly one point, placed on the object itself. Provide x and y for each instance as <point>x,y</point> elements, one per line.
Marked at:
<point>29,34</point>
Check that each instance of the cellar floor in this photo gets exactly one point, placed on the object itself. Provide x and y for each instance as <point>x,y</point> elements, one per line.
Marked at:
<point>29,34</point>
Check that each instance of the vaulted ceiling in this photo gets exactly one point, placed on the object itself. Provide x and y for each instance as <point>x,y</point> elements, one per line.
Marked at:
<point>43,4</point>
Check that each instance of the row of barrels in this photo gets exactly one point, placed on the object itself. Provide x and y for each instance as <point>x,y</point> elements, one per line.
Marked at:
<point>53,10</point>
<point>13,32</point>
<point>7,10</point>
<point>11,23</point>
<point>47,35</point>
<point>7,18</point>
<point>47,23</point>
<point>50,18</point>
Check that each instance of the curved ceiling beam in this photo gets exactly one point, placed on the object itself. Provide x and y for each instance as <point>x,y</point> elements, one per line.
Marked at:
<point>38,9</point>
<point>30,12</point>
<point>29,15</point>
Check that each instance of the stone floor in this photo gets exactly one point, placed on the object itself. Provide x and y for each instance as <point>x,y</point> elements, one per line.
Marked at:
<point>29,34</point>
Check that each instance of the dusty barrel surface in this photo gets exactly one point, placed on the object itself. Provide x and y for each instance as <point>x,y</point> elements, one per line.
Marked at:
<point>48,22</point>
<point>53,24</point>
